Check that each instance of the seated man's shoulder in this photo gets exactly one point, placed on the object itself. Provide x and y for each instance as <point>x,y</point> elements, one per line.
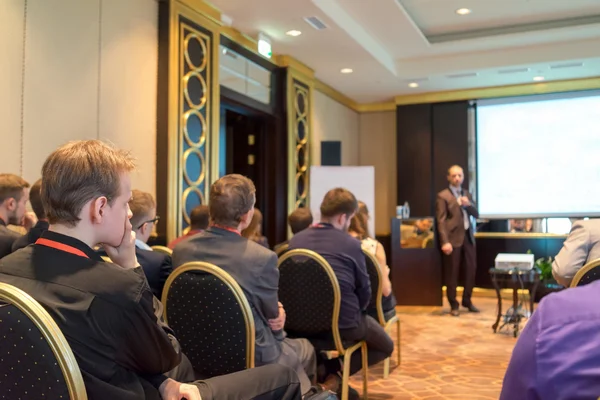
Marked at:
<point>260,251</point>
<point>571,305</point>
<point>590,225</point>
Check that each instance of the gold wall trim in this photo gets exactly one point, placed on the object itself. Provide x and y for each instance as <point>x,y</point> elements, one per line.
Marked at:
<point>571,85</point>
<point>335,95</point>
<point>376,107</point>
<point>299,67</point>
<point>351,104</point>
<point>205,9</point>
<point>505,235</point>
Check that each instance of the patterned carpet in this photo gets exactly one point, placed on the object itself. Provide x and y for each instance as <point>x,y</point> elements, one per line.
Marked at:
<point>445,357</point>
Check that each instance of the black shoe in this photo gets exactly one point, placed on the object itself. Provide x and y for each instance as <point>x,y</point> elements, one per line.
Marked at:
<point>454,312</point>
<point>471,308</point>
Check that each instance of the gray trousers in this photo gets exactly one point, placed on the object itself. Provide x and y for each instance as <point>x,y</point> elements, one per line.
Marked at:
<point>269,382</point>
<point>299,355</point>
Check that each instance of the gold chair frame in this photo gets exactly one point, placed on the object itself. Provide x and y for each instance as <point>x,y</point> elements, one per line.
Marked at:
<point>347,353</point>
<point>282,249</point>
<point>52,335</point>
<point>232,285</point>
<point>387,326</point>
<point>584,270</point>
<point>163,249</point>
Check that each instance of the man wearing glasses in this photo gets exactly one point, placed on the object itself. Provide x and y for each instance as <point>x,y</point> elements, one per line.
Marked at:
<point>156,266</point>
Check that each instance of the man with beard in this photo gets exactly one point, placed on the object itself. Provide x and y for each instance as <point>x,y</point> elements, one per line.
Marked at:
<point>14,194</point>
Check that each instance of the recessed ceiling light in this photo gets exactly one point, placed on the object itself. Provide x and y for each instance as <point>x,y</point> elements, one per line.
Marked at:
<point>346,70</point>
<point>413,85</point>
<point>294,33</point>
<point>538,78</point>
<point>463,11</point>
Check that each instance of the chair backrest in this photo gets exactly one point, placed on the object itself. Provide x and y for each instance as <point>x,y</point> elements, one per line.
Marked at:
<point>587,274</point>
<point>37,362</point>
<point>163,249</point>
<point>310,294</point>
<point>376,279</point>
<point>282,249</point>
<point>211,317</point>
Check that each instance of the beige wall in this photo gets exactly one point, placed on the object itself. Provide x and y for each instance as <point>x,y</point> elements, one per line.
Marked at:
<point>334,121</point>
<point>75,69</point>
<point>377,147</point>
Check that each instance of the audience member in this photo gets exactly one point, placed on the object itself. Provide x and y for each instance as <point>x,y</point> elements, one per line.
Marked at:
<point>557,355</point>
<point>42,223</point>
<point>14,193</point>
<point>298,220</point>
<point>582,246</point>
<point>254,230</point>
<point>105,310</point>
<point>254,268</point>
<point>330,239</point>
<point>199,219</point>
<point>359,228</point>
<point>157,266</point>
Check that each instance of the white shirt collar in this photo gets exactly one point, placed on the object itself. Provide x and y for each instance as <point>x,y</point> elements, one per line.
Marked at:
<point>141,245</point>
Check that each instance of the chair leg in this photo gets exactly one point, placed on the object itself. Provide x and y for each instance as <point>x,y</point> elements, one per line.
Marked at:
<point>346,368</point>
<point>365,368</point>
<point>399,337</point>
<point>386,368</point>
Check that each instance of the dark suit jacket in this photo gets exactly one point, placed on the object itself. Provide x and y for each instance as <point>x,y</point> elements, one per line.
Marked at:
<point>7,238</point>
<point>157,267</point>
<point>253,267</point>
<point>31,236</point>
<point>449,218</point>
<point>344,254</point>
<point>108,315</point>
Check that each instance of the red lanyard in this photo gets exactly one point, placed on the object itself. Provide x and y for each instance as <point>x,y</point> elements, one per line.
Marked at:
<point>61,246</point>
<point>227,229</point>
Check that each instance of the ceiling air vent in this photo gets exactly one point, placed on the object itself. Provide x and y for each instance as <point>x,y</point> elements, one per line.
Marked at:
<point>462,75</point>
<point>316,23</point>
<point>567,65</point>
<point>513,71</point>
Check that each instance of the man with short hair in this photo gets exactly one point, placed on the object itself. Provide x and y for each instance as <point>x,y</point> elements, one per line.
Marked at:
<point>298,220</point>
<point>199,219</point>
<point>581,247</point>
<point>454,208</point>
<point>106,311</point>
<point>41,226</point>
<point>331,240</point>
<point>157,266</point>
<point>14,194</point>
<point>254,268</point>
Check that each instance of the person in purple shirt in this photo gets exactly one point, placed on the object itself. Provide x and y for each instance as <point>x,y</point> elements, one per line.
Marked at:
<point>331,240</point>
<point>557,355</point>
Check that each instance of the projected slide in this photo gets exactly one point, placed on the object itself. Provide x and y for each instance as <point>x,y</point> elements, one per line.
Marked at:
<point>539,158</point>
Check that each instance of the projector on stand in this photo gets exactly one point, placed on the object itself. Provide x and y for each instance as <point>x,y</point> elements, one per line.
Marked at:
<point>523,262</point>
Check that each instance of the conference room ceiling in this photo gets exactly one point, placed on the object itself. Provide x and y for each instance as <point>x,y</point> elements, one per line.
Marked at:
<point>391,44</point>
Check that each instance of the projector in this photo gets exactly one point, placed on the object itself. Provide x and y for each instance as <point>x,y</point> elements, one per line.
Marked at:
<point>523,262</point>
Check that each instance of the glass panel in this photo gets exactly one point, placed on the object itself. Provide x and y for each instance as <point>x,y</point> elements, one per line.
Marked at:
<point>244,76</point>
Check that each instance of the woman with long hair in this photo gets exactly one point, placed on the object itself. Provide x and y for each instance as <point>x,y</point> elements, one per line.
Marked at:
<point>359,228</point>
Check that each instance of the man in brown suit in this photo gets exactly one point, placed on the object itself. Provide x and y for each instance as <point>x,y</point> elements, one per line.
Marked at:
<point>454,208</point>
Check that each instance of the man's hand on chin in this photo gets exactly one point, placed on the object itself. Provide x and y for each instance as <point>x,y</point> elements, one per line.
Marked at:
<point>173,390</point>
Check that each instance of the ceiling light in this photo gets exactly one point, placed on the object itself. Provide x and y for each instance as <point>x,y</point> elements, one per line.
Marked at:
<point>463,11</point>
<point>538,78</point>
<point>293,33</point>
<point>413,85</point>
<point>346,70</point>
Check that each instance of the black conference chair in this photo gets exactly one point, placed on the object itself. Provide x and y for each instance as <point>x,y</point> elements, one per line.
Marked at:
<point>587,274</point>
<point>37,361</point>
<point>310,293</point>
<point>376,279</point>
<point>211,318</point>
